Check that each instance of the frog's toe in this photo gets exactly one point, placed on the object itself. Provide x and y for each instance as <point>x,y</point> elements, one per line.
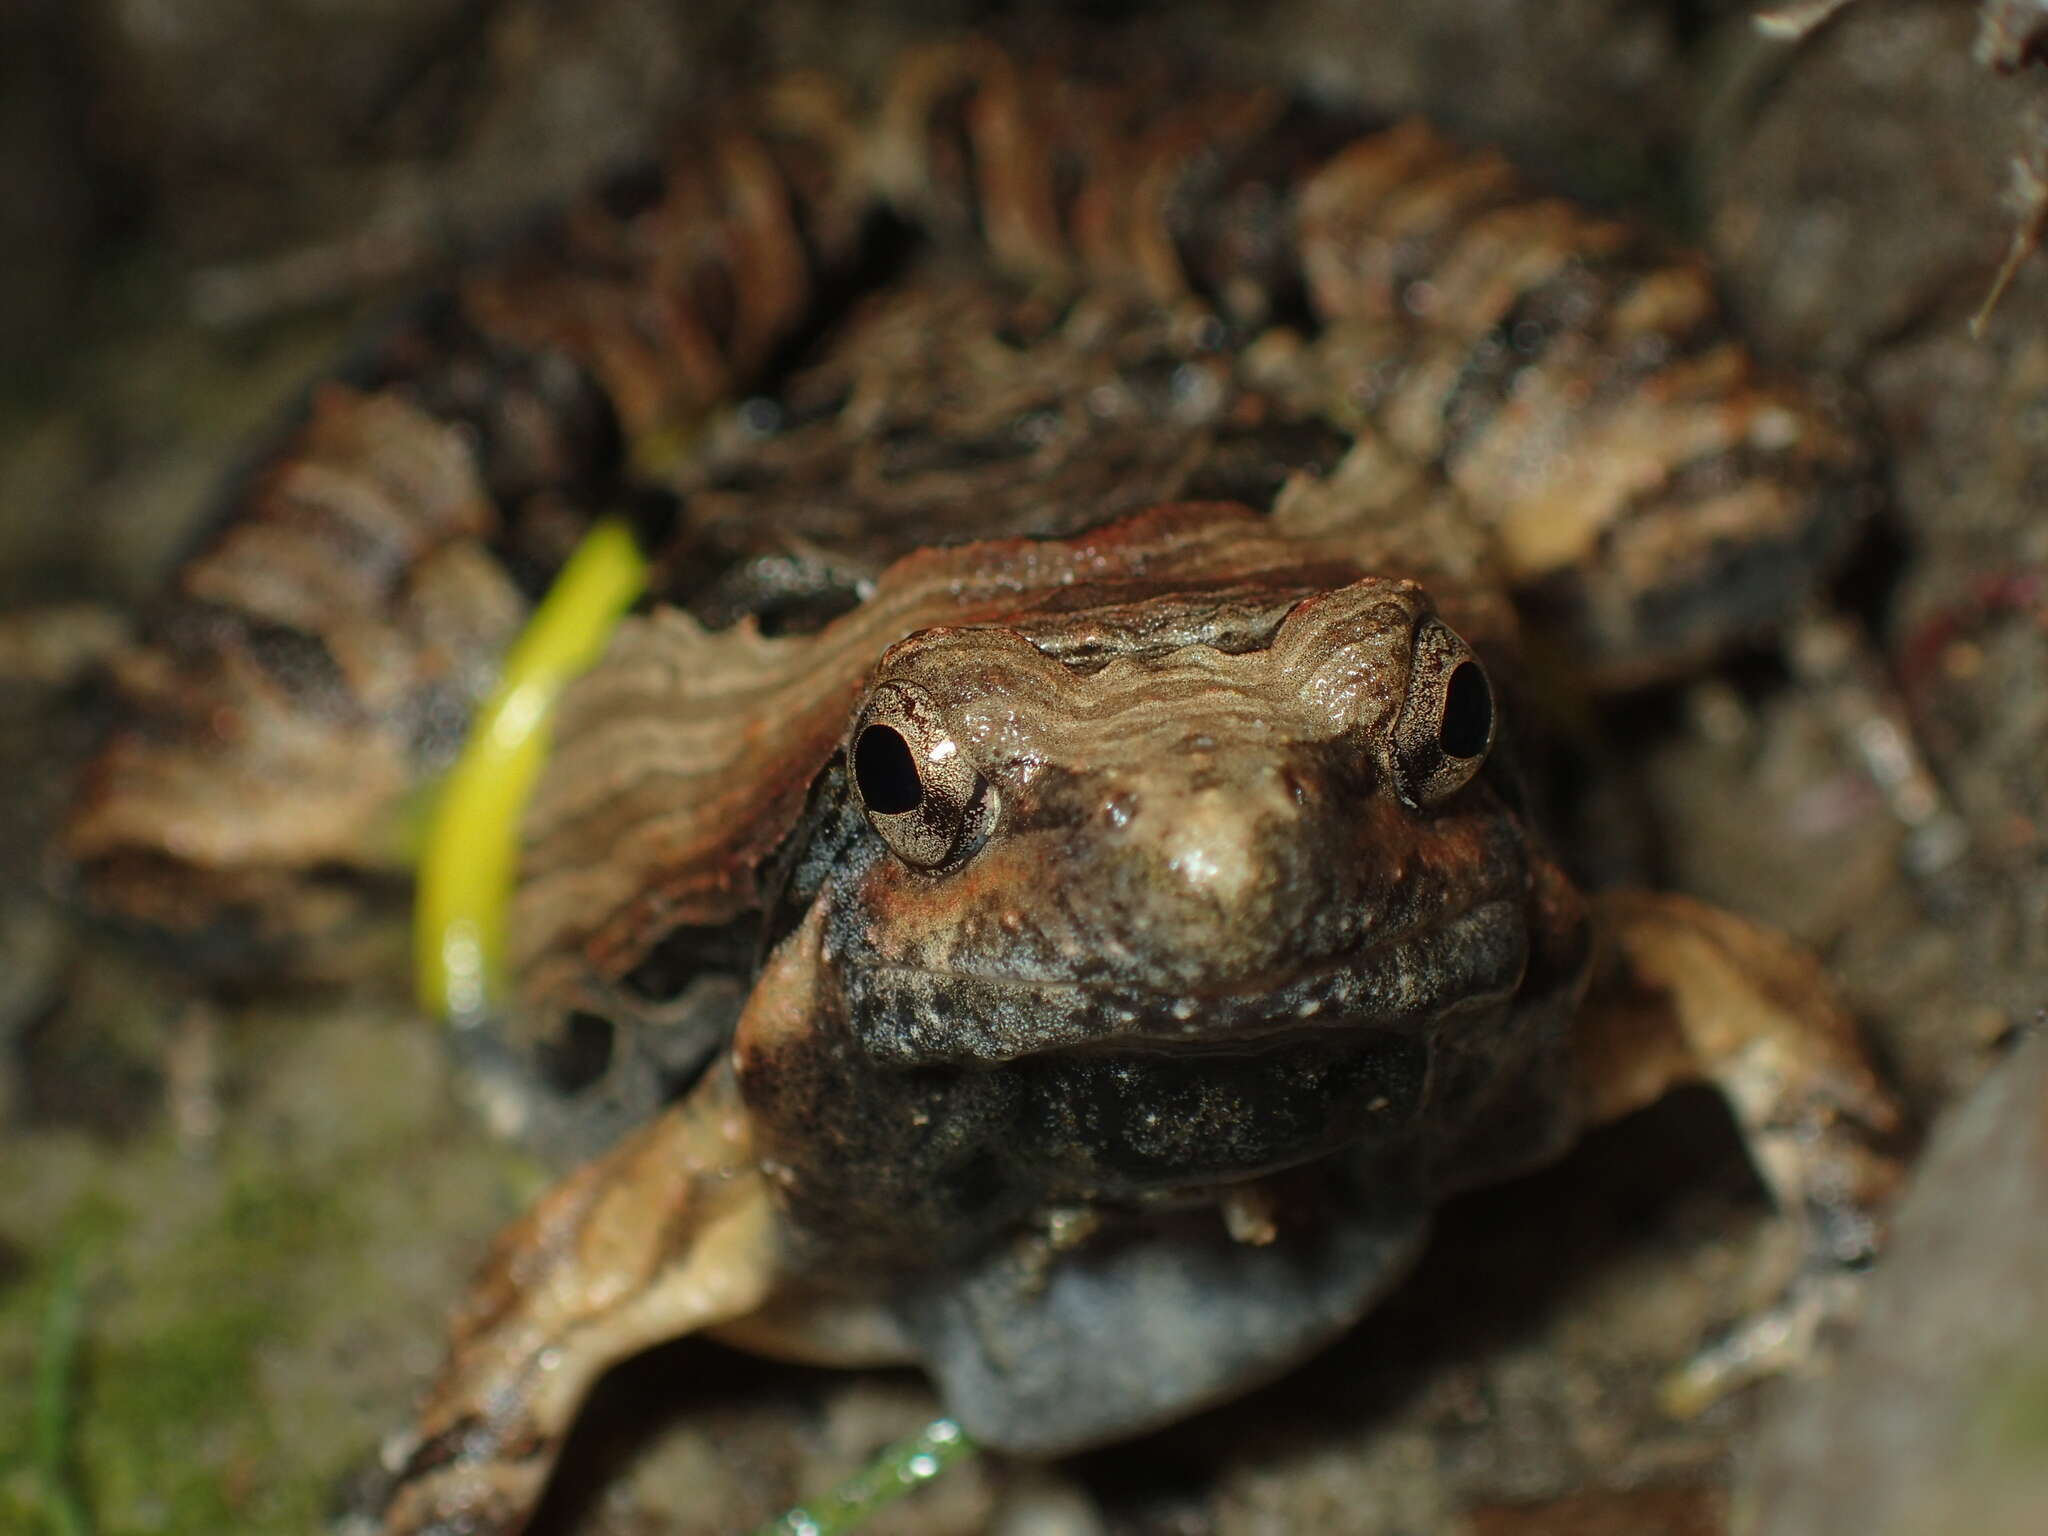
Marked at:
<point>1781,1340</point>
<point>464,1501</point>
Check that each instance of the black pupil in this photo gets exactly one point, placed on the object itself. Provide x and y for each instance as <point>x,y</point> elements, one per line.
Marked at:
<point>886,772</point>
<point>1468,712</point>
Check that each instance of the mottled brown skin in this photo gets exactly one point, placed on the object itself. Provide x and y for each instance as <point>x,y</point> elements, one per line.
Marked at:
<point>1080,718</point>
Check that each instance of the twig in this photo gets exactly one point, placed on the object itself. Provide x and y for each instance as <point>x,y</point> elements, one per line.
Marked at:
<point>2029,196</point>
<point>1794,21</point>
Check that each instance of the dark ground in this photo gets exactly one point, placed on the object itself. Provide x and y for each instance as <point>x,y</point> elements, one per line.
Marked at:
<point>274,1201</point>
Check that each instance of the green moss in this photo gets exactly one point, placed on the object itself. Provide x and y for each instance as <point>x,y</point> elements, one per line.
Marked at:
<point>176,1435</point>
<point>166,1421</point>
<point>2015,1417</point>
<point>170,1430</point>
<point>253,1318</point>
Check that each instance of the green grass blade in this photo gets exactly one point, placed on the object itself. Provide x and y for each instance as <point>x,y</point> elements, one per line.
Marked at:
<point>901,1468</point>
<point>56,1368</point>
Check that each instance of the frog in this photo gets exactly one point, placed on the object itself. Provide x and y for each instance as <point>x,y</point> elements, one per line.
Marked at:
<point>1050,888</point>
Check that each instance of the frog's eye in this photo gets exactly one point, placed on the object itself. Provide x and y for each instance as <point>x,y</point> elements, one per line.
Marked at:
<point>1447,720</point>
<point>922,795</point>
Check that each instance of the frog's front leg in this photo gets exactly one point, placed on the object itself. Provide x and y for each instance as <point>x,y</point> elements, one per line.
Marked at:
<point>671,1232</point>
<point>1683,993</point>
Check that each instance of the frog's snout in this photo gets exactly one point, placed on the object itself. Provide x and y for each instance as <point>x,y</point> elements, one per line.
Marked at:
<point>1211,878</point>
<point>1223,849</point>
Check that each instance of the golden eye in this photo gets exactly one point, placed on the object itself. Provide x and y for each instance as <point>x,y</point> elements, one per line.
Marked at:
<point>921,794</point>
<point>1447,719</point>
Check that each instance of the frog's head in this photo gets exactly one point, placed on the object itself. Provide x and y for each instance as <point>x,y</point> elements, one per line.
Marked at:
<point>1204,904</point>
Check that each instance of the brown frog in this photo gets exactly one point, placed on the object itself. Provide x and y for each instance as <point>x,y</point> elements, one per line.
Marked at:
<point>1062,926</point>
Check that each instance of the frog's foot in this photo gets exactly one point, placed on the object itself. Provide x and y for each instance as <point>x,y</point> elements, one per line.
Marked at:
<point>1687,993</point>
<point>671,1232</point>
<point>1777,1341</point>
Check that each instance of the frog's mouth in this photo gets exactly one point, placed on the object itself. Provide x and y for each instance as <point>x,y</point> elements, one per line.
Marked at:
<point>916,1017</point>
